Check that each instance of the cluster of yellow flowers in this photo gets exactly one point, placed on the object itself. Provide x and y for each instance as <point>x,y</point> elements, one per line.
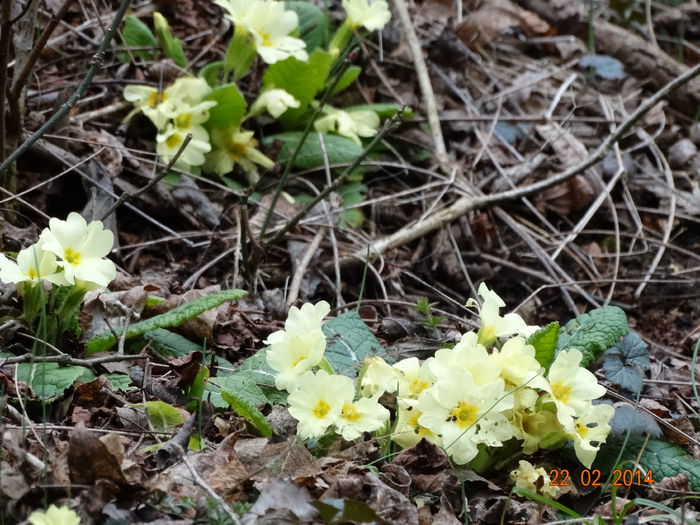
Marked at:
<point>69,252</point>
<point>181,108</point>
<point>486,390</point>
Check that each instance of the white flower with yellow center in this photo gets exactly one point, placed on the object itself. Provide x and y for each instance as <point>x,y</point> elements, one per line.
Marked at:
<point>467,355</point>
<point>379,377</point>
<point>363,415</point>
<point>299,347</point>
<point>81,247</point>
<point>571,387</point>
<point>493,325</point>
<point>318,402</point>
<point>453,407</point>
<point>275,102</point>
<point>234,146</point>
<point>589,431</point>
<point>33,265</point>
<point>537,480</point>
<point>372,15</point>
<point>414,379</point>
<point>408,432</point>
<point>169,142</point>
<point>189,90</point>
<point>270,23</point>
<point>54,516</point>
<point>518,365</point>
<point>147,100</point>
<point>350,124</point>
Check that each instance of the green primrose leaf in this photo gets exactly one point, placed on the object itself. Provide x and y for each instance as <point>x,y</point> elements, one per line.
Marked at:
<point>347,78</point>
<point>174,317</point>
<point>137,34</point>
<point>303,80</point>
<point>49,380</point>
<point>626,362</point>
<point>628,418</point>
<point>242,395</point>
<point>169,343</point>
<point>163,417</point>
<point>313,24</point>
<point>352,193</point>
<point>593,332</point>
<point>211,72</point>
<point>545,342</point>
<point>172,47</point>
<point>119,382</point>
<point>348,342</point>
<point>230,106</point>
<point>384,109</point>
<point>339,150</point>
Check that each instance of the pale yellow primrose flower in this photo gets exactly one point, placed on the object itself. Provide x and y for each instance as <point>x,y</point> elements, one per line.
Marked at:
<point>269,23</point>
<point>408,431</point>
<point>379,377</point>
<point>537,480</point>
<point>168,143</point>
<point>452,409</point>
<point>363,415</point>
<point>33,264</point>
<point>145,99</point>
<point>467,355</point>
<point>350,124</point>
<point>415,377</point>
<point>372,15</point>
<point>81,247</point>
<point>492,324</point>
<point>572,387</point>
<point>299,347</point>
<point>234,146</point>
<point>591,426</point>
<point>318,402</point>
<point>54,516</point>
<point>518,364</point>
<point>275,102</point>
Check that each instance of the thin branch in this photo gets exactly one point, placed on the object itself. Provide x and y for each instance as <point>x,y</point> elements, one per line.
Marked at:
<point>5,29</point>
<point>155,180</point>
<point>97,61</point>
<point>468,202</point>
<point>65,359</point>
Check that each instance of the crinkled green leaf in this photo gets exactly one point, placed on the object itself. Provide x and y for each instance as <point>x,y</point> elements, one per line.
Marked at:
<point>313,25</point>
<point>49,380</point>
<point>163,417</point>
<point>174,317</point>
<point>169,343</point>
<point>348,342</point>
<point>230,106</point>
<point>352,193</point>
<point>138,34</point>
<point>211,72</point>
<point>257,365</point>
<point>626,362</point>
<point>593,332</point>
<point>383,109</point>
<point>545,342</point>
<point>120,382</point>
<point>339,150</point>
<point>629,418</point>
<point>303,80</point>
<point>242,395</point>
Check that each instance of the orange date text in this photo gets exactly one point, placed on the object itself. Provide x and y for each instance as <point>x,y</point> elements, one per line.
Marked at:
<point>594,478</point>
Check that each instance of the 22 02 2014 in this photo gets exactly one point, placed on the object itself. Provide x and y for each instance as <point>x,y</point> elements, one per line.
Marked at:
<point>594,477</point>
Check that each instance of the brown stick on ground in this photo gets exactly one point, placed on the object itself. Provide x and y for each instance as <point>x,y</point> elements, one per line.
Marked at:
<point>641,58</point>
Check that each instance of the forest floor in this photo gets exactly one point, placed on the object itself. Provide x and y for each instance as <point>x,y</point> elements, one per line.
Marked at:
<point>565,179</point>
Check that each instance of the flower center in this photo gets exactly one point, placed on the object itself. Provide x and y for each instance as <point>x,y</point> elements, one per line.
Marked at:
<point>236,150</point>
<point>350,413</point>
<point>321,410</point>
<point>173,141</point>
<point>581,430</point>
<point>561,392</point>
<point>32,273</point>
<point>267,41</point>
<point>183,121</point>
<point>71,257</point>
<point>464,414</point>
<point>416,386</point>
